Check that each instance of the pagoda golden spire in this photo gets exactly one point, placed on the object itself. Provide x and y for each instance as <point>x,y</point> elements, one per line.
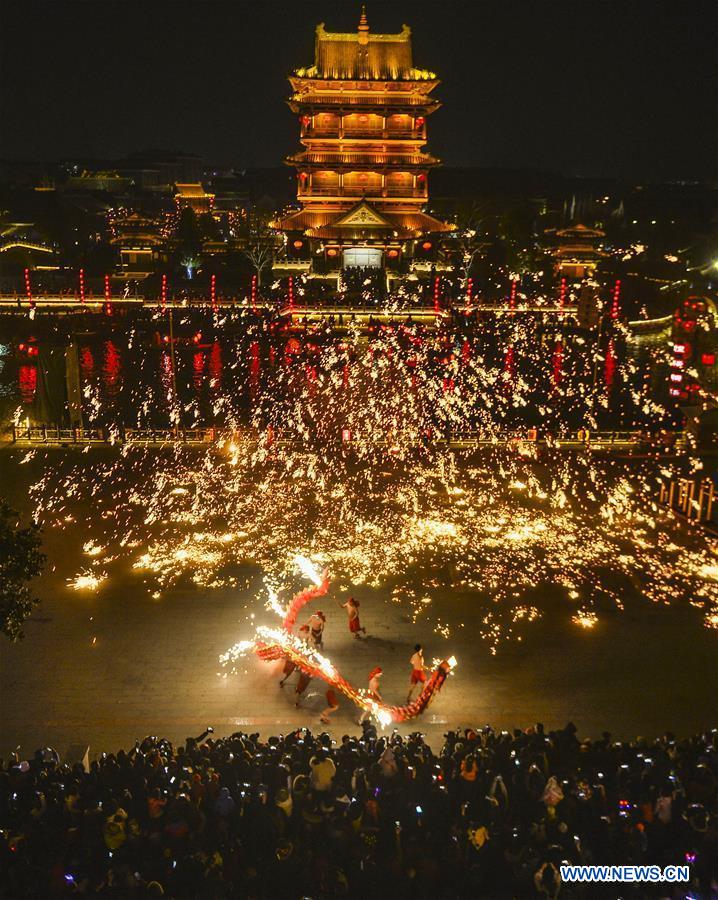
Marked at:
<point>363,27</point>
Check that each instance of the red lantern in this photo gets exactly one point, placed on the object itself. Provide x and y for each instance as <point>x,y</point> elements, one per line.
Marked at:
<point>331,252</point>
<point>426,245</point>
<point>298,245</point>
<point>392,253</point>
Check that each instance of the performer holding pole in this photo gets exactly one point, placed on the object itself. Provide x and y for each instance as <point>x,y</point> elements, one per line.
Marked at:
<point>302,684</point>
<point>332,706</point>
<point>352,608</point>
<point>316,629</point>
<point>418,675</point>
<point>374,694</point>
<point>289,666</point>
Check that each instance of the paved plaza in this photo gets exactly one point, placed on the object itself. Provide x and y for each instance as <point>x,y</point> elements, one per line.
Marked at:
<point>108,667</point>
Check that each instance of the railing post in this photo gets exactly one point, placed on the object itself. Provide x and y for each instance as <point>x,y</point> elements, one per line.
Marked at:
<point>711,493</point>
<point>699,502</point>
<point>682,491</point>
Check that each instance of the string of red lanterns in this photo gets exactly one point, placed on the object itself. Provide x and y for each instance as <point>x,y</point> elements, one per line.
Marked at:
<point>108,296</point>
<point>616,302</point>
<point>28,289</point>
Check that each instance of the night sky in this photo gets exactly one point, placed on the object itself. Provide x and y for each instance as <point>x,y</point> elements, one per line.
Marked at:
<point>609,87</point>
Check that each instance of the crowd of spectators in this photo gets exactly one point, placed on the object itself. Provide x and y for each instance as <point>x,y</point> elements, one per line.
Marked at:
<point>488,815</point>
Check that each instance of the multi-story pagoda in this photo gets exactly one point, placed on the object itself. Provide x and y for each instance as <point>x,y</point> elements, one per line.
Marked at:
<point>576,250</point>
<point>363,173</point>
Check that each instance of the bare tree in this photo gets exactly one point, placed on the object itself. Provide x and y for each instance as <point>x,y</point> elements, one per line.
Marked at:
<point>262,242</point>
<point>470,239</point>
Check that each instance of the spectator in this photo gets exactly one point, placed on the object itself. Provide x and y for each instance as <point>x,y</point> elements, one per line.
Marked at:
<point>491,814</point>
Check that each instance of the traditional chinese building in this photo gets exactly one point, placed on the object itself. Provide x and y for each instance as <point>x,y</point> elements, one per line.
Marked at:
<point>140,243</point>
<point>362,175</point>
<point>194,196</point>
<point>576,250</point>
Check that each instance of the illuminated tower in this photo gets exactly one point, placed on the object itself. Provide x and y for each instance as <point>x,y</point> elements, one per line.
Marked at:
<point>362,175</point>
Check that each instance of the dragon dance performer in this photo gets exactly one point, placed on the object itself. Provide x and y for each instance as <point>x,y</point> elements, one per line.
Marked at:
<point>290,666</point>
<point>316,628</point>
<point>418,675</point>
<point>352,608</point>
<point>374,694</point>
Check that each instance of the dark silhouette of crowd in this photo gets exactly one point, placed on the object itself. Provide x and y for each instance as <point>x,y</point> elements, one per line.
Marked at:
<point>489,814</point>
<point>365,280</point>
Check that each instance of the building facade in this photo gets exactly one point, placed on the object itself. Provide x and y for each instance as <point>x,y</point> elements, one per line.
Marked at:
<point>576,251</point>
<point>362,173</point>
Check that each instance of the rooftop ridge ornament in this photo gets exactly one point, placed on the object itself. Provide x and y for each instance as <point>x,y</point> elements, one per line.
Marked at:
<point>363,28</point>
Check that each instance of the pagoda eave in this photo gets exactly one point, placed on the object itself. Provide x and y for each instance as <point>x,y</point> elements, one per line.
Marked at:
<point>301,106</point>
<point>304,84</point>
<point>341,143</point>
<point>305,160</point>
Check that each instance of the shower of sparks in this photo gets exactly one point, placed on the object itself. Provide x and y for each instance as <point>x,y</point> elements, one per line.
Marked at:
<point>308,569</point>
<point>586,619</point>
<point>92,549</point>
<point>87,581</point>
<point>490,532</point>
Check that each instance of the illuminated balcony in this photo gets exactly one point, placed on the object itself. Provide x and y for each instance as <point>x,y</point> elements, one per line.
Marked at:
<point>337,159</point>
<point>356,192</point>
<point>385,134</point>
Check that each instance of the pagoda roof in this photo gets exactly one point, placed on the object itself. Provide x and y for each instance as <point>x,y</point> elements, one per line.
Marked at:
<point>365,215</point>
<point>191,190</point>
<point>361,220</point>
<point>341,159</point>
<point>414,102</point>
<point>363,55</point>
<point>579,231</point>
